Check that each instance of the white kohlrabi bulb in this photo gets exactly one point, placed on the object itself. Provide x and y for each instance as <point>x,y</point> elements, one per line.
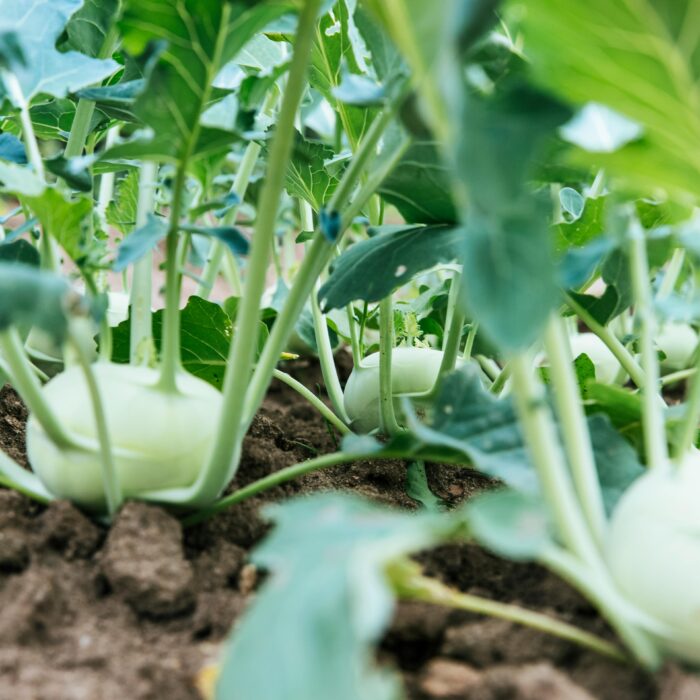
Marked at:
<point>413,371</point>
<point>160,440</point>
<point>606,365</point>
<point>677,341</point>
<point>653,551</point>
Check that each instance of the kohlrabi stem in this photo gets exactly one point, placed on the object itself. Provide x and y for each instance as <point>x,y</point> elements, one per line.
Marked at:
<point>389,425</point>
<point>652,409</point>
<point>542,439</point>
<point>627,620</point>
<point>454,328</point>
<point>689,427</point>
<point>15,91</point>
<point>218,250</point>
<point>321,407</point>
<point>86,108</point>
<point>29,388</point>
<point>326,360</point>
<point>354,337</point>
<point>500,381</point>
<point>224,460</point>
<point>22,480</point>
<point>170,344</point>
<point>673,271</point>
<point>269,482</point>
<point>141,348</point>
<point>319,253</point>
<point>105,331</point>
<point>410,584</point>
<point>675,377</point>
<point>110,479</point>
<point>577,440</point>
<point>469,343</point>
<point>623,356</point>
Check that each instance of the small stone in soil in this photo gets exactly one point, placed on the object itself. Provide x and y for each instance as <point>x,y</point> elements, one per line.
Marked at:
<point>443,679</point>
<point>143,561</point>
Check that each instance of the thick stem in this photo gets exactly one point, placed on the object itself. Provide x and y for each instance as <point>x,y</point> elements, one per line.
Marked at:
<point>224,460</point>
<point>389,425</point>
<point>141,349</point>
<point>110,479</point>
<point>410,584</point>
<point>673,272</point>
<point>29,388</point>
<point>469,344</point>
<point>623,356</point>
<point>454,327</point>
<point>543,443</point>
<point>354,337</point>
<point>500,381</point>
<point>321,407</point>
<point>269,482</point>
<point>689,428</point>
<point>652,409</point>
<point>577,440</point>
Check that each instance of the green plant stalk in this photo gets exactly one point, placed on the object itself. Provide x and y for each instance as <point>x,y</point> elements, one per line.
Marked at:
<point>86,108</point>
<point>105,331</point>
<point>469,343</point>
<point>672,273</point>
<point>319,253</point>
<point>232,273</point>
<point>625,619</point>
<point>226,453</point>
<point>15,477</point>
<point>410,584</point>
<point>501,379</point>
<point>623,356</point>
<point>354,338</point>
<point>327,361</point>
<point>652,409</point>
<point>270,481</point>
<point>321,407</point>
<point>26,383</point>
<point>689,427</point>
<point>389,425</point>
<point>675,377</point>
<point>106,189</point>
<point>141,347</point>
<point>577,440</point>
<point>489,366</point>
<point>455,326</point>
<point>542,440</point>
<point>218,251</point>
<point>110,479</point>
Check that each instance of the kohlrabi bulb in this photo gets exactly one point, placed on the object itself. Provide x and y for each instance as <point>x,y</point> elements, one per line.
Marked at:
<point>160,440</point>
<point>653,552</point>
<point>677,341</point>
<point>413,371</point>
<point>117,308</point>
<point>606,365</point>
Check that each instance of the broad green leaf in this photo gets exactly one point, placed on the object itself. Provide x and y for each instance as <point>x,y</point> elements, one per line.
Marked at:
<point>87,29</point>
<point>511,524</point>
<point>141,241</point>
<point>54,119</point>
<point>33,297</point>
<point>371,270</point>
<point>65,220</point>
<point>327,599</point>
<point>37,25</point>
<point>232,237</point>
<point>75,171</point>
<point>616,460</point>
<point>589,224</point>
<point>19,251</point>
<point>201,36</point>
<point>384,57</point>
<point>640,58</point>
<point>419,186</point>
<point>121,211</point>
<point>307,176</point>
<point>116,100</point>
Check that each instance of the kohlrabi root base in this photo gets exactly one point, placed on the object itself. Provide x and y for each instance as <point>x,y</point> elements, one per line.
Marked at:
<point>413,371</point>
<point>654,552</point>
<point>160,440</point>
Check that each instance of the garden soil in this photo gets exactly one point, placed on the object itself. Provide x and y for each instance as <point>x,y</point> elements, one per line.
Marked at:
<point>139,610</point>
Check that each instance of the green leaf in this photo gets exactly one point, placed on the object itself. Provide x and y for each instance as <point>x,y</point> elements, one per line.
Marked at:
<point>121,211</point>
<point>509,523</point>
<point>87,29</point>
<point>19,251</point>
<point>232,237</point>
<point>116,100</point>
<point>12,149</point>
<point>75,171</point>
<point>616,460</point>
<point>141,241</point>
<point>179,87</point>
<point>37,25</point>
<point>307,176</point>
<point>20,180</point>
<point>418,488</point>
<point>419,187</point>
<point>372,269</point>
<point>639,58</point>
<point>65,220</point>
<point>589,224</point>
<point>328,600</point>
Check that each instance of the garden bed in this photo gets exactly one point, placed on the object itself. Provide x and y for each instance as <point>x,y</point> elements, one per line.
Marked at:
<point>138,610</point>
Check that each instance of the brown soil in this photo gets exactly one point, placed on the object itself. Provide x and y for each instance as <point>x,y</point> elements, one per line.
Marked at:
<point>134,612</point>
